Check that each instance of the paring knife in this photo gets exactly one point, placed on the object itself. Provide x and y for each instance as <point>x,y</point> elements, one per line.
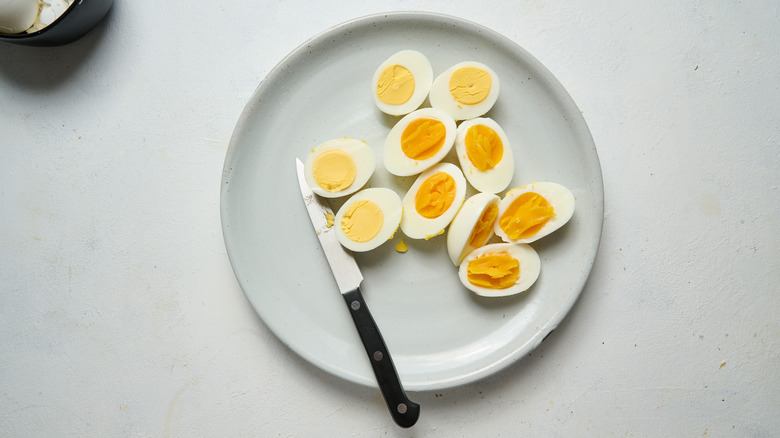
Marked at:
<point>348,277</point>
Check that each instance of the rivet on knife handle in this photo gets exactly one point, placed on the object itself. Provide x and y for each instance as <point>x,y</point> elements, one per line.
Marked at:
<point>404,411</point>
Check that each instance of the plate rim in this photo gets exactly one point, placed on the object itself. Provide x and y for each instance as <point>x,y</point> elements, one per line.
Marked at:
<point>579,126</point>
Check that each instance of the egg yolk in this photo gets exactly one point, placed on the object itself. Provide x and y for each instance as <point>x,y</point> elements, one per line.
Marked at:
<point>470,85</point>
<point>525,216</point>
<point>422,138</point>
<point>401,247</point>
<point>484,147</point>
<point>362,221</point>
<point>497,270</point>
<point>395,85</point>
<point>435,196</point>
<point>484,226</point>
<point>334,170</point>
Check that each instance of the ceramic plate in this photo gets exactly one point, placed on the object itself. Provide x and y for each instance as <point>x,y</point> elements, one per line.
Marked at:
<point>440,334</point>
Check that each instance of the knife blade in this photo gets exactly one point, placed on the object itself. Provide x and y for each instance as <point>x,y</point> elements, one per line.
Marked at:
<point>348,278</point>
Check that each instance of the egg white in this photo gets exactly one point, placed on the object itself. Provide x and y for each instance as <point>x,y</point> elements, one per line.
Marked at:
<point>492,180</point>
<point>441,98</point>
<point>530,267</point>
<point>362,155</point>
<point>419,66</point>
<point>394,158</point>
<point>416,226</point>
<point>463,224</point>
<point>560,197</point>
<point>390,204</point>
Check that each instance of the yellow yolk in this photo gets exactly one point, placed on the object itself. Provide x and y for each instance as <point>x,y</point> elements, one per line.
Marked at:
<point>362,221</point>
<point>431,236</point>
<point>401,247</point>
<point>329,218</point>
<point>470,85</point>
<point>435,195</point>
<point>484,147</point>
<point>334,170</point>
<point>497,270</point>
<point>483,227</point>
<point>525,216</point>
<point>395,85</point>
<point>423,138</point>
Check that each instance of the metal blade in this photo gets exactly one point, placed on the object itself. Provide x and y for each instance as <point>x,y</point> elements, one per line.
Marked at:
<point>342,264</point>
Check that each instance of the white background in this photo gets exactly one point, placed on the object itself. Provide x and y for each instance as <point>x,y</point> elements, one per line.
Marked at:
<point>120,314</point>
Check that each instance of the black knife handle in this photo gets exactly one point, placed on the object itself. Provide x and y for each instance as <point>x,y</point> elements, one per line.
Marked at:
<point>404,411</point>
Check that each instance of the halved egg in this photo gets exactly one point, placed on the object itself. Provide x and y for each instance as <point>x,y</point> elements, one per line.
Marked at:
<point>472,227</point>
<point>485,155</point>
<point>465,91</point>
<point>401,83</point>
<point>368,219</point>
<point>500,269</point>
<point>339,167</point>
<point>532,211</point>
<point>418,141</point>
<point>432,201</point>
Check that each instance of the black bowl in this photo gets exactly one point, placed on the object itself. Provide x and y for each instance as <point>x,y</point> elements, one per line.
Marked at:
<point>76,21</point>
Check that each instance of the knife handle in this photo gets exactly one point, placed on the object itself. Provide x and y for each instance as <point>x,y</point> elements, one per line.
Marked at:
<point>404,411</point>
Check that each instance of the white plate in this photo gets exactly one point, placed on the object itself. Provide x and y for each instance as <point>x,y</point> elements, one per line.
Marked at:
<point>440,335</point>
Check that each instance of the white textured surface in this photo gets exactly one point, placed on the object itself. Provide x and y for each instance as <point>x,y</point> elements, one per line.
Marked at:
<point>120,315</point>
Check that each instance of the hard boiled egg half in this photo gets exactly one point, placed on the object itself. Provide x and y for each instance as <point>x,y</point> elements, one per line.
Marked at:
<point>485,155</point>
<point>433,201</point>
<point>500,269</point>
<point>472,227</point>
<point>418,141</point>
<point>368,219</point>
<point>530,212</point>
<point>465,91</point>
<point>401,82</point>
<point>339,167</point>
